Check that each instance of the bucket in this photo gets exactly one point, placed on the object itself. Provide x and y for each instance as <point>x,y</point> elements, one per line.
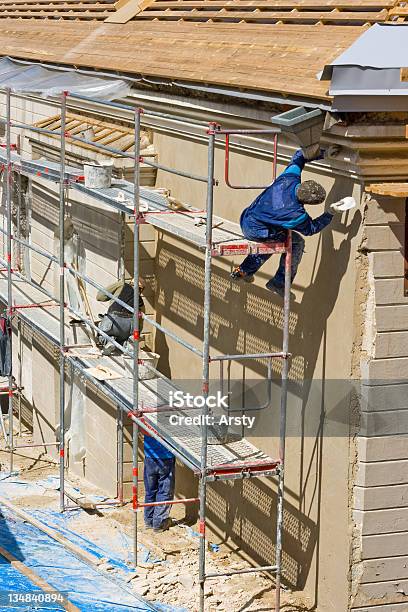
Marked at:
<point>144,372</point>
<point>98,176</point>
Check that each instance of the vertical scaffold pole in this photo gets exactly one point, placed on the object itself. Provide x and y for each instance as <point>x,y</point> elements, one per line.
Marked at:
<point>119,473</point>
<point>136,333</point>
<point>206,357</point>
<point>62,301</point>
<point>283,409</point>
<point>9,272</point>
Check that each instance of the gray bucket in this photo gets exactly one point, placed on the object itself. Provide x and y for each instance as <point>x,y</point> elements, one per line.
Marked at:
<point>98,176</point>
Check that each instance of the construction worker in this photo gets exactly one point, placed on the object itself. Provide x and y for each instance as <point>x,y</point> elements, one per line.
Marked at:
<point>159,480</point>
<point>277,209</point>
<point>118,321</point>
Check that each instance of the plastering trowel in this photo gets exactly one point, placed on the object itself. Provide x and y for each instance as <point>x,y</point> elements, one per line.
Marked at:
<point>344,204</point>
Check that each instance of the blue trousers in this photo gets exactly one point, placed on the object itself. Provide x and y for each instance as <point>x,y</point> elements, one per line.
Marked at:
<point>159,478</point>
<point>252,263</point>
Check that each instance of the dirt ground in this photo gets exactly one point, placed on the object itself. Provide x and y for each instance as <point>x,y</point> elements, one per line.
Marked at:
<point>174,579</point>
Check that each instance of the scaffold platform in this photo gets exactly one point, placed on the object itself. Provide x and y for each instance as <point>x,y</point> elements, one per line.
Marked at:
<point>189,225</point>
<point>235,459</point>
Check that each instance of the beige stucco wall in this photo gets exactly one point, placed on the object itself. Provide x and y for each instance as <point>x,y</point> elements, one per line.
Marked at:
<point>249,319</point>
<point>325,329</point>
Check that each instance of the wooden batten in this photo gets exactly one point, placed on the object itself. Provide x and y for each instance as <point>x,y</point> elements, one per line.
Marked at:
<point>394,190</point>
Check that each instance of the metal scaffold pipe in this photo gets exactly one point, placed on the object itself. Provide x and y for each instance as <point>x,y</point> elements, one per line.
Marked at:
<point>282,427</point>
<point>206,358</point>
<point>62,302</point>
<point>136,321</point>
<point>9,270</point>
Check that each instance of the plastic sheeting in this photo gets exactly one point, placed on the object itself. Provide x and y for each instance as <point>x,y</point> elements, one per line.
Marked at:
<point>86,588</point>
<point>76,434</point>
<point>37,79</point>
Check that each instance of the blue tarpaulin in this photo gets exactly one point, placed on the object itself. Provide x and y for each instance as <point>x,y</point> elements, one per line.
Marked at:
<point>84,586</point>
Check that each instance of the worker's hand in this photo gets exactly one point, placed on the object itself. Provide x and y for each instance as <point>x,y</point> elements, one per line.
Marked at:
<point>313,153</point>
<point>342,205</point>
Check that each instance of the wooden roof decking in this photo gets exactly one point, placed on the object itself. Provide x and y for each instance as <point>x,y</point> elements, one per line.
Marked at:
<point>230,54</point>
<point>260,45</point>
<point>342,12</point>
<point>57,9</point>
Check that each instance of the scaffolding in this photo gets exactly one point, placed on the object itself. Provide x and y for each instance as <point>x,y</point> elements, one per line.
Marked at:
<point>238,459</point>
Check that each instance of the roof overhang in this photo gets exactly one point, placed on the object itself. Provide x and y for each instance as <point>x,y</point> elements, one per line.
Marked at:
<point>367,76</point>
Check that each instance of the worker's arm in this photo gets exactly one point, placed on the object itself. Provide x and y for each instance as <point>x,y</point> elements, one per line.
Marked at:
<point>296,165</point>
<point>310,226</point>
<point>298,162</point>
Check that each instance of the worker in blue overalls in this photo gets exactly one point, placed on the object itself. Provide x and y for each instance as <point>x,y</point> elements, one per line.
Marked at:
<point>279,208</point>
<point>159,479</point>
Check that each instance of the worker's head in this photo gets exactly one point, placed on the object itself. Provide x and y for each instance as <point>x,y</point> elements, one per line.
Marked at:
<point>310,192</point>
<point>142,283</point>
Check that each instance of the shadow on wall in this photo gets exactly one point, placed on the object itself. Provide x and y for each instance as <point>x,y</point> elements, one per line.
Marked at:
<point>248,319</point>
<point>95,226</point>
<point>311,337</point>
<point>251,526</point>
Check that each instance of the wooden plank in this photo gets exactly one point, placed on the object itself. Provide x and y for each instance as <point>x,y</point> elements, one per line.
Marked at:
<point>278,4</point>
<point>63,6</point>
<point>101,3</point>
<point>386,568</point>
<point>386,596</point>
<point>129,10</point>
<point>387,264</point>
<point>54,14</point>
<point>263,16</point>
<point>379,474</point>
<point>395,190</point>
<point>400,11</point>
<point>34,578</point>
<point>391,344</point>
<point>385,545</point>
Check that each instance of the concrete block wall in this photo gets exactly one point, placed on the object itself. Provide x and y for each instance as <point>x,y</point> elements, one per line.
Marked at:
<point>380,569</point>
<point>22,369</point>
<point>45,405</point>
<point>100,466</point>
<point>99,229</point>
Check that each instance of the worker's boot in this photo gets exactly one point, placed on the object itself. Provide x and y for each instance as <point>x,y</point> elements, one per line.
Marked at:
<point>278,289</point>
<point>166,524</point>
<point>237,275</point>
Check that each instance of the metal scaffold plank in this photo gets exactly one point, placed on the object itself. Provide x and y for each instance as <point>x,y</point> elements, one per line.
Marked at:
<point>189,225</point>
